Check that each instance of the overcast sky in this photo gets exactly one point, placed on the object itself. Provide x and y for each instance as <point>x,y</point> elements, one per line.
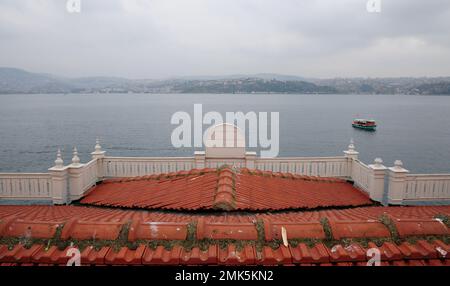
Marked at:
<point>164,38</point>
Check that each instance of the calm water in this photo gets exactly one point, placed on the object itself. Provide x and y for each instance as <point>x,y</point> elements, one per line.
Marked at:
<point>415,129</point>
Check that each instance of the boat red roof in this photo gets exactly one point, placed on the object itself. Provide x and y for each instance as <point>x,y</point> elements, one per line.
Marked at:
<point>225,217</point>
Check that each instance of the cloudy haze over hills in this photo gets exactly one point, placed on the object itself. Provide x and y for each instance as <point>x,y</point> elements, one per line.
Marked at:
<point>177,38</point>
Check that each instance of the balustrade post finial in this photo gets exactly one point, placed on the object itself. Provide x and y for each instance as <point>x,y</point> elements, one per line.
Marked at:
<point>98,147</point>
<point>75,158</point>
<point>351,146</point>
<point>59,163</point>
<point>351,152</point>
<point>398,164</point>
<point>378,162</point>
<point>398,167</point>
<point>98,152</point>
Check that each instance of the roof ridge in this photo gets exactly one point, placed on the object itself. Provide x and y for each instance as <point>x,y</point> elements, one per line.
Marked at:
<point>225,197</point>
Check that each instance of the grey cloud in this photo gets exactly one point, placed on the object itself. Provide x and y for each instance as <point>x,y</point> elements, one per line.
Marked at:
<point>161,38</point>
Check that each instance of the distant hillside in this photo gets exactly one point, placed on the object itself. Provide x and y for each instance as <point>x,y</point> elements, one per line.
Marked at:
<point>266,76</point>
<point>250,85</point>
<point>14,80</point>
<point>19,81</point>
<point>434,88</point>
<point>406,85</point>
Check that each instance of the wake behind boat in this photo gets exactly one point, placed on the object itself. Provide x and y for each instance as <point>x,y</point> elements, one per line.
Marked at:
<point>366,124</point>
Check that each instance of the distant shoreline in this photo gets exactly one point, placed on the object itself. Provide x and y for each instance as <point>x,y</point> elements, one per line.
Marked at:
<point>218,93</point>
<point>17,81</point>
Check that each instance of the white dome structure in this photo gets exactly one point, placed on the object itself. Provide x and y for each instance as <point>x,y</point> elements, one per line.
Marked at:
<point>224,141</point>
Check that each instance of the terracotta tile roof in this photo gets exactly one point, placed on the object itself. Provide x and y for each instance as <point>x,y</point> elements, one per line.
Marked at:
<point>125,256</point>
<point>209,229</point>
<point>358,229</point>
<point>227,190</point>
<point>273,229</point>
<point>63,214</point>
<point>162,256</point>
<point>411,227</point>
<point>41,235</point>
<point>197,256</point>
<point>302,254</point>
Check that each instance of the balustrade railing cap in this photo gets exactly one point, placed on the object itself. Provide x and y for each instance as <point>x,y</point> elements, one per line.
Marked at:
<point>351,152</point>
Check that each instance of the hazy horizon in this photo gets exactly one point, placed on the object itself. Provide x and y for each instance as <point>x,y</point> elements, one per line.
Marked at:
<point>159,39</point>
<point>221,76</point>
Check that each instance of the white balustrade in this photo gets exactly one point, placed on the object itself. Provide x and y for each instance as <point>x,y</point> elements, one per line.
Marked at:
<point>64,184</point>
<point>33,186</point>
<point>140,166</point>
<point>217,163</point>
<point>318,166</point>
<point>433,187</point>
<point>89,175</point>
<point>361,175</point>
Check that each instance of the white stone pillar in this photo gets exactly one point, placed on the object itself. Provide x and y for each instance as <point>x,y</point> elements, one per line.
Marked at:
<point>99,155</point>
<point>397,183</point>
<point>376,184</point>
<point>200,159</point>
<point>75,179</point>
<point>351,154</point>
<point>58,175</point>
<point>250,158</point>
